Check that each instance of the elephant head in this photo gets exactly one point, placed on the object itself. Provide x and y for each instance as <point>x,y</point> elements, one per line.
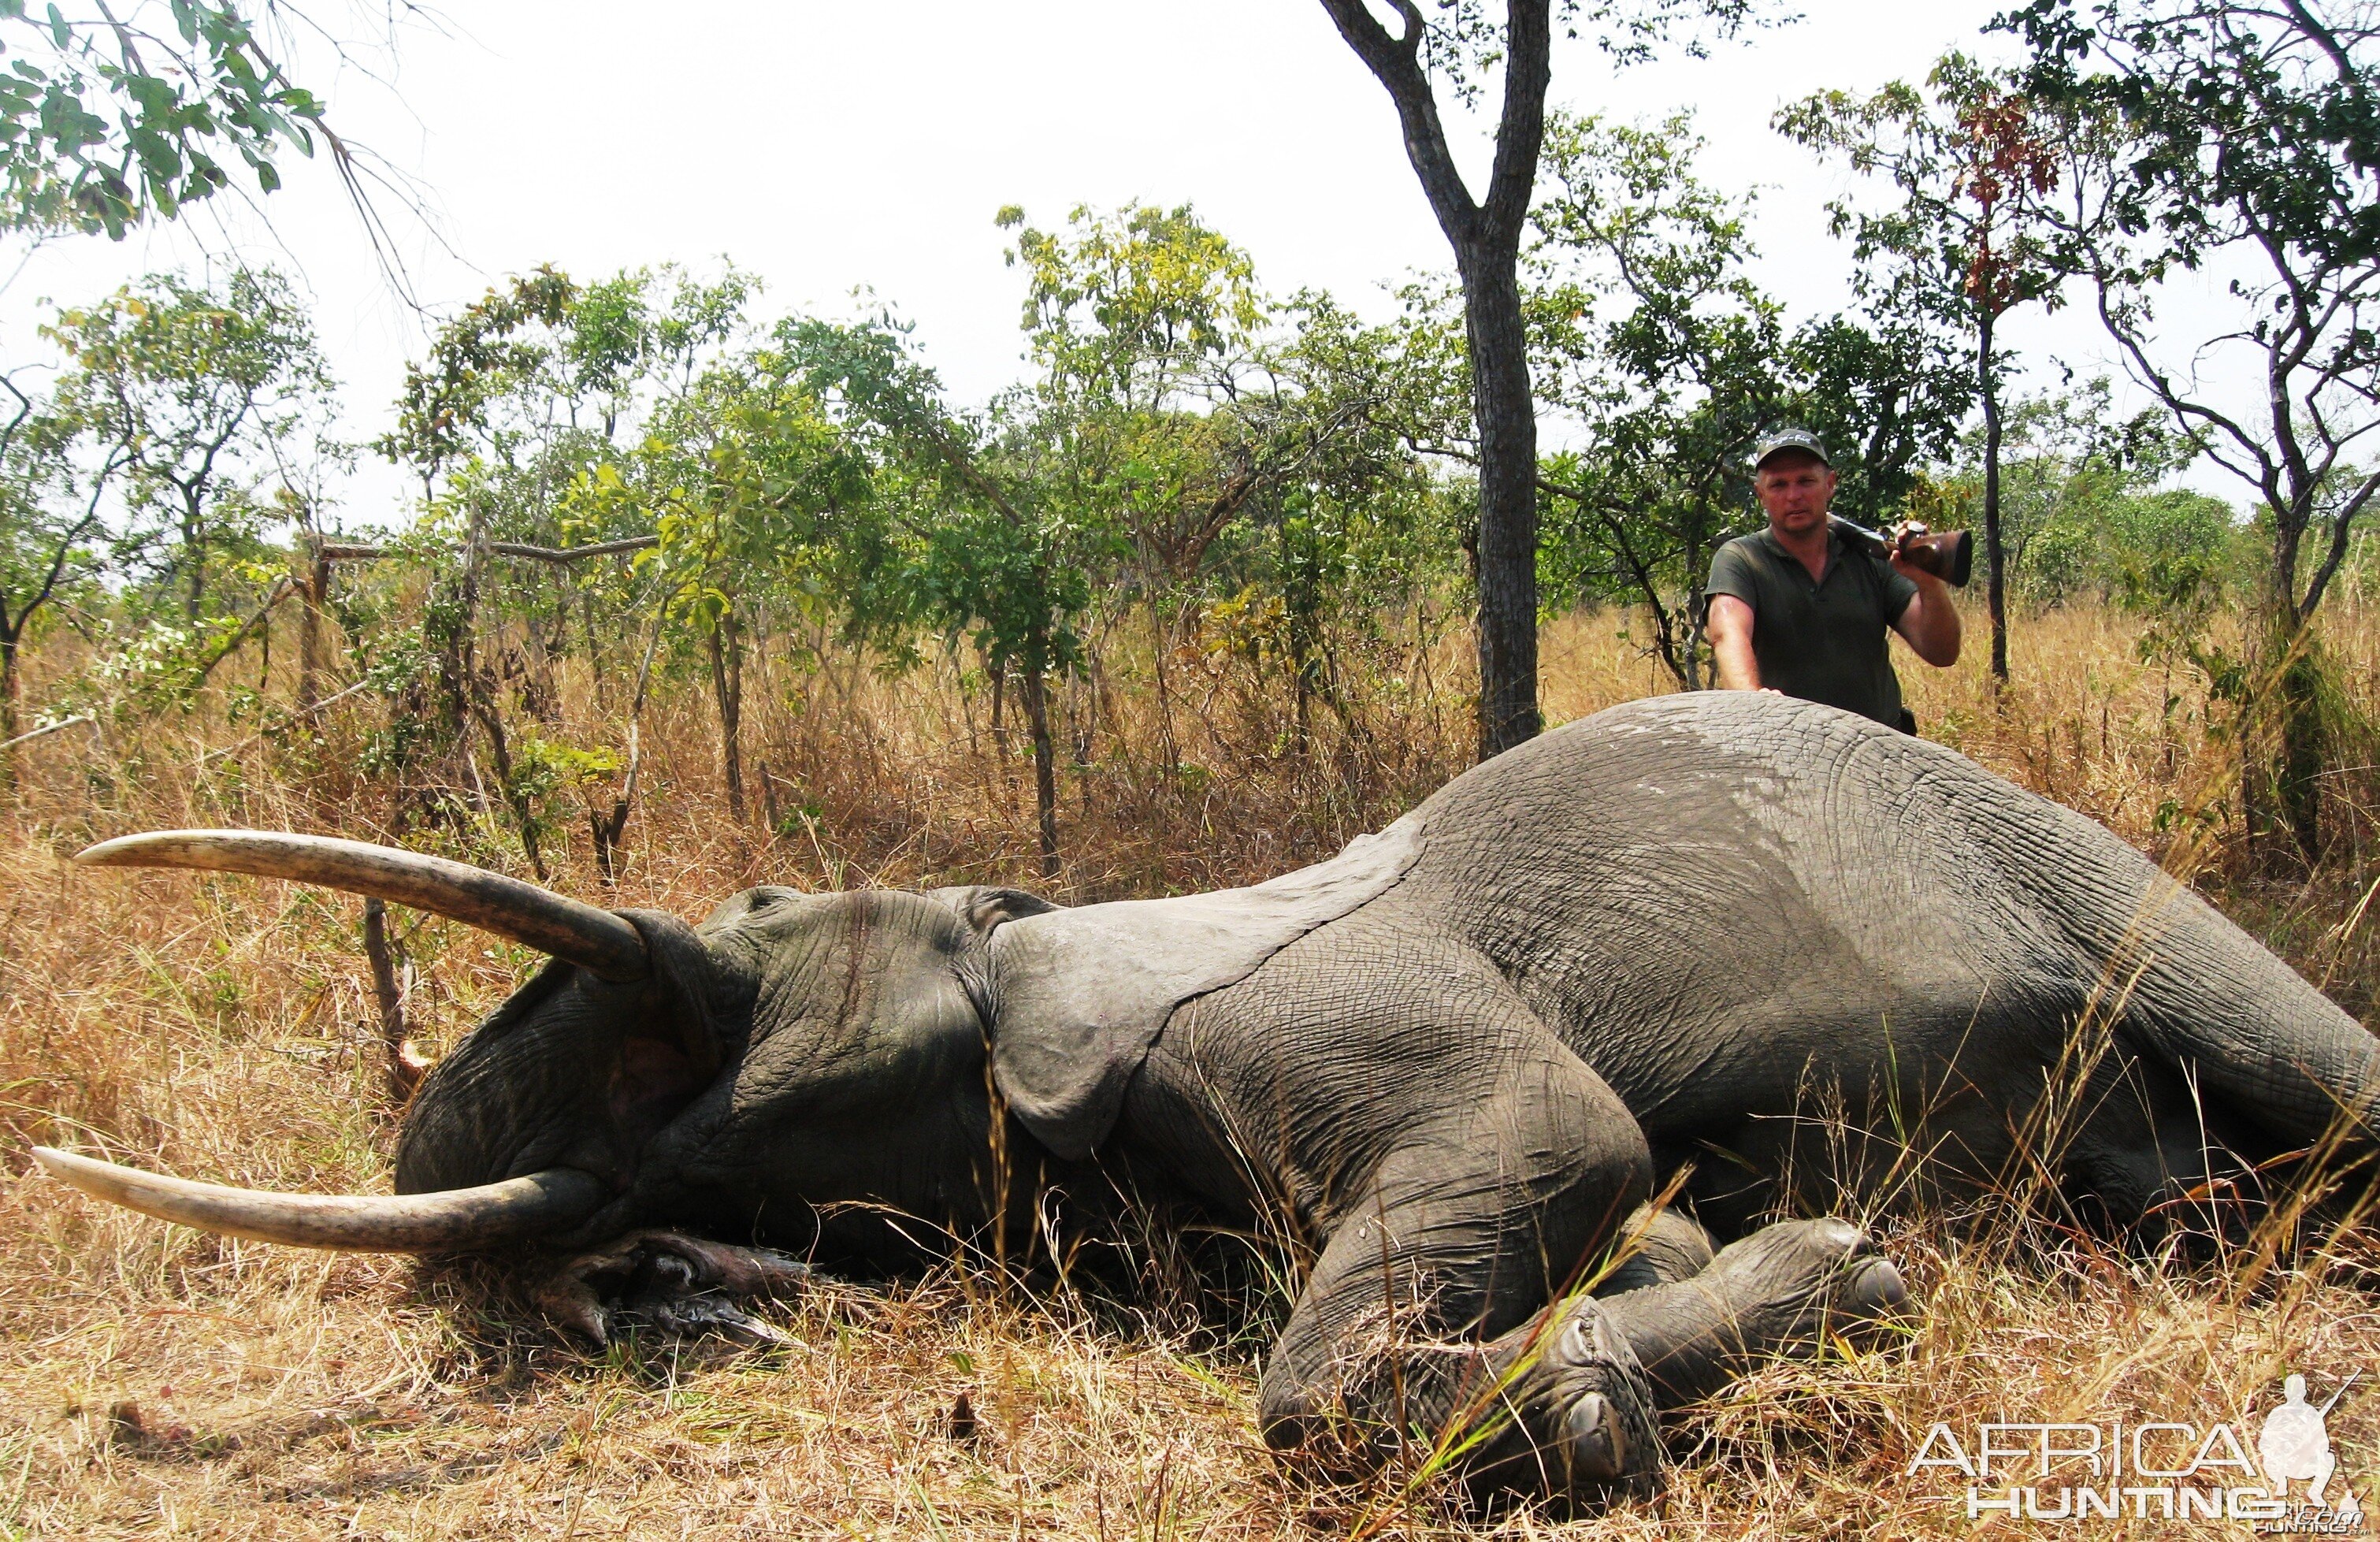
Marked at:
<point>793,1054</point>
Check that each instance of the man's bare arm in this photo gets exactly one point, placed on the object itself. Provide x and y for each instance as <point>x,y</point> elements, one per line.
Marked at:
<point>1929,624</point>
<point>1730,627</point>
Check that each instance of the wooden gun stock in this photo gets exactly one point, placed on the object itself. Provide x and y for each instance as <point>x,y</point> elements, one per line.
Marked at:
<point>1949,555</point>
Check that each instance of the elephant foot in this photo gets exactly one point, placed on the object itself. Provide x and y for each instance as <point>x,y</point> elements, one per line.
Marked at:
<point>669,1282</point>
<point>1790,1287</point>
<point>1582,1415</point>
<point>1810,1280</point>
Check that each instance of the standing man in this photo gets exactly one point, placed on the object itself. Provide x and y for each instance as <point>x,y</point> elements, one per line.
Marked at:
<point>1798,610</point>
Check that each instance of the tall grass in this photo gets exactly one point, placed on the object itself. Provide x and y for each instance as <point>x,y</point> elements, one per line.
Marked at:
<point>154,1380</point>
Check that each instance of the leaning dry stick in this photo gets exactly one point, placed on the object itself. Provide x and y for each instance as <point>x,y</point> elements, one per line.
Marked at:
<point>48,729</point>
<point>406,1068</point>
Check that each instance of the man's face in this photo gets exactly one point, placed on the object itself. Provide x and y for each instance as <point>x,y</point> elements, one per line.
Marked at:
<point>1794,490</point>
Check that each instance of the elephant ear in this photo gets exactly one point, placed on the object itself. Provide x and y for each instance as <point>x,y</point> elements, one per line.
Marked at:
<point>1079,994</point>
<point>986,910</point>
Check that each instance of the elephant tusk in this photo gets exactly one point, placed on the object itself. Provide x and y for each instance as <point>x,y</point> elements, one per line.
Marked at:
<point>451,1220</point>
<point>581,934</point>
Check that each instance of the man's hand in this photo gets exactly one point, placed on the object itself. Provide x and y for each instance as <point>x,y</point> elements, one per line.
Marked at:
<point>1929,622</point>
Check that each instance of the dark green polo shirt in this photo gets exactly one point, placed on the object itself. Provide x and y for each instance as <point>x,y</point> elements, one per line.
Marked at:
<point>1822,641</point>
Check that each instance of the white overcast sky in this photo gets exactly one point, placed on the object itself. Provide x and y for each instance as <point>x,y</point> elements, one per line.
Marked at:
<point>829,146</point>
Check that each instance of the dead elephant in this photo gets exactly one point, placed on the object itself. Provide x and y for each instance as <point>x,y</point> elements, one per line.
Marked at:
<point>1461,1055</point>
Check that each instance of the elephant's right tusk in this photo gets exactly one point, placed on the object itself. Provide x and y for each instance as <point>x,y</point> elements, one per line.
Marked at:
<point>450,1220</point>
<point>596,939</point>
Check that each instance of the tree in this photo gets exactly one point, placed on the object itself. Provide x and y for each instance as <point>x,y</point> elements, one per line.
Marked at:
<point>1485,235</point>
<point>1170,409</point>
<point>1973,165</point>
<point>1352,521</point>
<point>1888,388</point>
<point>2239,140</point>
<point>995,554</point>
<point>1458,46</point>
<point>51,533</point>
<point>452,408</point>
<point>201,394</point>
<point>2070,469</point>
<point>1143,324</point>
<point>528,393</point>
<point>1656,339</point>
<point>754,496</point>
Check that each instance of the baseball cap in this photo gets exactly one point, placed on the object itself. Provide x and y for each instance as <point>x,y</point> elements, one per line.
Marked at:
<point>1788,439</point>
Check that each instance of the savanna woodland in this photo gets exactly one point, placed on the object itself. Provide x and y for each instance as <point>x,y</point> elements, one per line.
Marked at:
<point>687,592</point>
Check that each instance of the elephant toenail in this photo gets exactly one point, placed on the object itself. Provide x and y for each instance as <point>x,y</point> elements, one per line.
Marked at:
<point>1583,1340</point>
<point>1875,1289</point>
<point>1598,1447</point>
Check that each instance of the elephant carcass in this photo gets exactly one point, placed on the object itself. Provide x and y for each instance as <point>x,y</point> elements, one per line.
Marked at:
<point>1761,948</point>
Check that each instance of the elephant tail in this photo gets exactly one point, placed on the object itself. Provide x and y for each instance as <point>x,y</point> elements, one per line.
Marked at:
<point>2249,1032</point>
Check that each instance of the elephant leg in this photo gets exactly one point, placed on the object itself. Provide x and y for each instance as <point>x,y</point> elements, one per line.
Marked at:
<point>2147,1158</point>
<point>1426,1318</point>
<point>1787,1287</point>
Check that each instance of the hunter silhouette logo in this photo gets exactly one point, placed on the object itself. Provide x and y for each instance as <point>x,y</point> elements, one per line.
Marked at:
<point>2295,1445</point>
<point>2159,1469</point>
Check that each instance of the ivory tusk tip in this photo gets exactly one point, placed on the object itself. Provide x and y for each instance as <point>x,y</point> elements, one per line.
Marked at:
<point>148,848</point>
<point>87,1173</point>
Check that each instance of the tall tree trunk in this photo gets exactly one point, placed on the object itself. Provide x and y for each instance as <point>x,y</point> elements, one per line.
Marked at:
<point>998,672</point>
<point>727,688</point>
<point>194,563</point>
<point>2300,757</point>
<point>1160,623</point>
<point>1995,553</point>
<point>2292,772</point>
<point>1036,691</point>
<point>314,593</point>
<point>11,703</point>
<point>1506,410</point>
<point>1485,235</point>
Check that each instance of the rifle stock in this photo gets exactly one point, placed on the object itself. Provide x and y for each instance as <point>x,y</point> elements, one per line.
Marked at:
<point>1949,555</point>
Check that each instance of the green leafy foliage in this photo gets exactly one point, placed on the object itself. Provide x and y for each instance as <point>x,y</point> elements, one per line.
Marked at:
<point>195,398</point>
<point>105,121</point>
<point>992,552</point>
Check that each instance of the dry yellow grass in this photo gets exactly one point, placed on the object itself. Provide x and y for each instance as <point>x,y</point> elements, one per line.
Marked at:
<point>157,1381</point>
